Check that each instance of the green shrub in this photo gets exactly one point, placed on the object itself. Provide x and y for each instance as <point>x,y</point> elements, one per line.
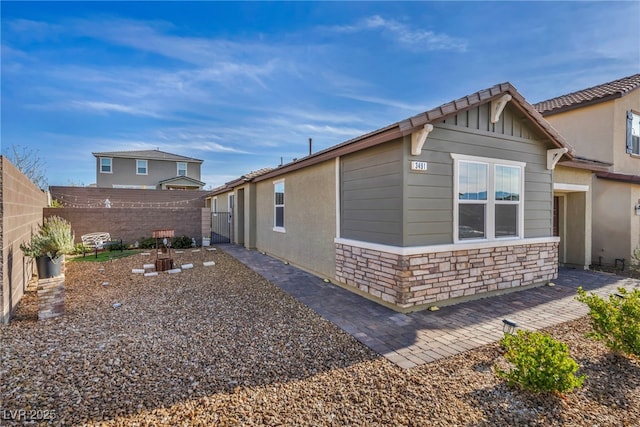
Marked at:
<point>117,246</point>
<point>81,248</point>
<point>182,242</point>
<point>147,243</point>
<point>616,320</point>
<point>540,363</point>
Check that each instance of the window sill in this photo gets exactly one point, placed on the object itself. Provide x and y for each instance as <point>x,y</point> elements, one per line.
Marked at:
<point>279,229</point>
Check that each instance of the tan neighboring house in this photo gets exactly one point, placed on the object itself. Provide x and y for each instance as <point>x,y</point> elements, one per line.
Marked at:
<point>602,123</point>
<point>452,204</point>
<point>147,169</point>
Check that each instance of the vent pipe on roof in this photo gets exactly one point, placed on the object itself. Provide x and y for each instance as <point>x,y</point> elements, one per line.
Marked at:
<point>310,145</point>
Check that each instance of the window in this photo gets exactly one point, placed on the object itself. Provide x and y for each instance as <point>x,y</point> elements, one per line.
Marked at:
<point>633,133</point>
<point>278,215</point>
<point>105,165</point>
<point>141,167</point>
<point>488,202</point>
<point>214,206</point>
<point>182,169</point>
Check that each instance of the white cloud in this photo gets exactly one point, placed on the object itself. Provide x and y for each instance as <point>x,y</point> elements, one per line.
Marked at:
<point>411,38</point>
<point>106,107</point>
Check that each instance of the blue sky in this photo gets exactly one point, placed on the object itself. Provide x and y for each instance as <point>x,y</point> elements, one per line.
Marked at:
<point>242,84</point>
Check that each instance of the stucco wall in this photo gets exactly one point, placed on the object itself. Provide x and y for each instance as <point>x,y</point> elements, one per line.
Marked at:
<point>310,218</point>
<point>589,130</point>
<point>624,162</point>
<point>21,204</point>
<point>575,215</point>
<point>612,218</point>
<point>124,172</point>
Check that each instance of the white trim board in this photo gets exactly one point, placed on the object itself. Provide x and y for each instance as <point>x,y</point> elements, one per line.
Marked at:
<point>559,186</point>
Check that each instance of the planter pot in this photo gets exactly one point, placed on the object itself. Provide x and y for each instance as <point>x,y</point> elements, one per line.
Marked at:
<point>206,241</point>
<point>48,267</point>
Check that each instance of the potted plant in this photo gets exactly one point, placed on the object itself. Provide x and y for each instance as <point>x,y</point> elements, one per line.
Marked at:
<point>206,241</point>
<point>48,246</point>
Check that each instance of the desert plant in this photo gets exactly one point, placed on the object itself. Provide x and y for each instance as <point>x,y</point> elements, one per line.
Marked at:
<point>182,242</point>
<point>540,363</point>
<point>80,248</point>
<point>615,320</point>
<point>53,238</point>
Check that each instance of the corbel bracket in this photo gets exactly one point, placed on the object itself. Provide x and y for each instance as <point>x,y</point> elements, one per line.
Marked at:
<point>497,106</point>
<point>418,139</point>
<point>554,155</point>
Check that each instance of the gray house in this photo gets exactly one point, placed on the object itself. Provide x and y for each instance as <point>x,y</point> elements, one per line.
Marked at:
<point>452,204</point>
<point>147,169</point>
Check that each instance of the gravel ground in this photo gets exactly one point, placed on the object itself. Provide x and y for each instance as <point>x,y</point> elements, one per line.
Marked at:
<point>220,345</point>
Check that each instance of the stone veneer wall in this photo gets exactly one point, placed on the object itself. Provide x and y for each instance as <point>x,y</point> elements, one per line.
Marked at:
<point>50,297</point>
<point>408,281</point>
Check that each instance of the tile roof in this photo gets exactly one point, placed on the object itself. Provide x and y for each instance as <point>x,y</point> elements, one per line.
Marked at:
<point>146,155</point>
<point>438,114</point>
<point>634,179</point>
<point>592,95</point>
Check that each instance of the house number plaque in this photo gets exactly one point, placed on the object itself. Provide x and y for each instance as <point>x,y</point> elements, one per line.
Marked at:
<point>418,166</point>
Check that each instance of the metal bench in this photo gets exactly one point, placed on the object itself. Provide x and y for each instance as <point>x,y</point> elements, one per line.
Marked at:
<point>98,241</point>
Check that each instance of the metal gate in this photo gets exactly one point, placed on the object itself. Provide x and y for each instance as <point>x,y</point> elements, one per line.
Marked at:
<point>221,227</point>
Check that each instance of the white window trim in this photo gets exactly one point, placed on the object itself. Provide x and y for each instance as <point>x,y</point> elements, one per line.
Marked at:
<point>186,168</point>
<point>146,168</point>
<point>276,228</point>
<point>214,205</point>
<point>490,202</point>
<point>110,164</point>
<point>636,114</point>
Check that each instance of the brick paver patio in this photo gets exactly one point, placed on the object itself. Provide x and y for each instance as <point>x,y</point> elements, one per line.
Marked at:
<point>416,338</point>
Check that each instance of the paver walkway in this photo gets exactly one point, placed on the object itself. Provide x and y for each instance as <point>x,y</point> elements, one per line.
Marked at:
<point>416,338</point>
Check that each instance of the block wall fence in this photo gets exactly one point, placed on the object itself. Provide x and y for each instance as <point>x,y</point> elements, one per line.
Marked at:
<point>415,281</point>
<point>132,224</point>
<point>21,204</point>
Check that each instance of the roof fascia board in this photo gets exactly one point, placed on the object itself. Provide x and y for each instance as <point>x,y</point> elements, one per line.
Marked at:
<point>387,135</point>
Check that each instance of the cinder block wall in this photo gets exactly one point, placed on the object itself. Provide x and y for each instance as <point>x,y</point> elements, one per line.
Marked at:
<point>21,204</point>
<point>93,197</point>
<point>134,213</point>
<point>131,224</point>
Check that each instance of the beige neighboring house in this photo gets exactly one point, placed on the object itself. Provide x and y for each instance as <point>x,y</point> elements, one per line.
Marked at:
<point>602,123</point>
<point>451,204</point>
<point>147,169</point>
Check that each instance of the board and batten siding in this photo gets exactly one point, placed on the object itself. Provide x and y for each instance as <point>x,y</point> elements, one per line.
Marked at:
<point>429,195</point>
<point>372,193</point>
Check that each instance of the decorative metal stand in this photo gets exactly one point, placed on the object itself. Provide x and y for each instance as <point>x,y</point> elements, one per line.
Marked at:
<point>164,261</point>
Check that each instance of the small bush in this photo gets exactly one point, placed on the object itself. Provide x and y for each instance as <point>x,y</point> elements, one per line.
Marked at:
<point>616,320</point>
<point>540,363</point>
<point>117,246</point>
<point>182,242</point>
<point>147,243</point>
<point>80,248</point>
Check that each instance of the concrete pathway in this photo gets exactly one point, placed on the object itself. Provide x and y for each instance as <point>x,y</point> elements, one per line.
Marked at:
<point>416,338</point>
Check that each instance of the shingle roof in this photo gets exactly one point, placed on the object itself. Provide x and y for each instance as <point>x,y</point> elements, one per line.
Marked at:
<point>147,155</point>
<point>592,95</point>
